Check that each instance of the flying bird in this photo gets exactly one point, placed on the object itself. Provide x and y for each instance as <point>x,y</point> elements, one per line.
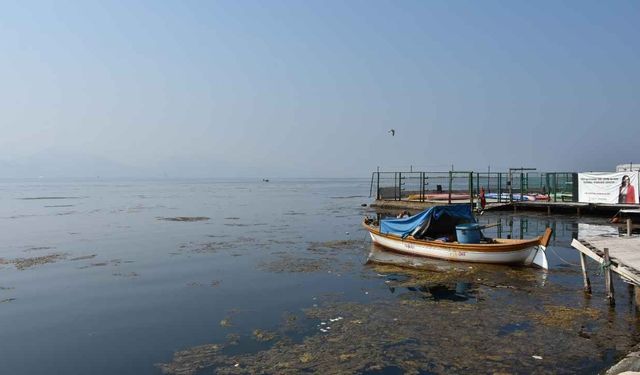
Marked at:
<point>392,131</point>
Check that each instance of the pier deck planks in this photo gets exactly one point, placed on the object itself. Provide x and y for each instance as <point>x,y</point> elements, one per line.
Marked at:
<point>624,252</point>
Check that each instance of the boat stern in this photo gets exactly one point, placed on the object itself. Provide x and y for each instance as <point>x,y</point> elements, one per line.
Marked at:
<point>538,256</point>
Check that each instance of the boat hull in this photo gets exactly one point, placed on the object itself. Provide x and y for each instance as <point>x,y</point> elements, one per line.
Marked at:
<point>528,253</point>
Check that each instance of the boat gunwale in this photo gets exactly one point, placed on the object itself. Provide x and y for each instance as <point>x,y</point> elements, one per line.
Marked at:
<point>506,245</point>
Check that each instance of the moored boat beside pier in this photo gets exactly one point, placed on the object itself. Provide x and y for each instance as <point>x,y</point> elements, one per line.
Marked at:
<point>440,232</point>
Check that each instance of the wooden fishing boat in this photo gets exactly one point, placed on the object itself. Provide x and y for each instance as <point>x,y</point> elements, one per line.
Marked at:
<point>529,252</point>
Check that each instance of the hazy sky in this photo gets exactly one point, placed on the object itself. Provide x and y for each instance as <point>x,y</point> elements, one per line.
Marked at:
<point>310,88</point>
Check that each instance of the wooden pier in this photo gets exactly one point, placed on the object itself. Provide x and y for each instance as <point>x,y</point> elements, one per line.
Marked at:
<point>619,255</point>
<point>576,208</point>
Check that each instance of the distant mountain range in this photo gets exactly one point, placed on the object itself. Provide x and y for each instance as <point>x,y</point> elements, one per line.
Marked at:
<point>64,165</point>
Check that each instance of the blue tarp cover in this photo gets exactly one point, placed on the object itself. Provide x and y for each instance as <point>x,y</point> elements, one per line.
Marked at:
<point>404,227</point>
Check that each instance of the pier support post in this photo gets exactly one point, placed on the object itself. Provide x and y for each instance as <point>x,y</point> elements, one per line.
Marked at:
<point>548,210</point>
<point>578,211</point>
<point>636,289</point>
<point>629,227</point>
<point>608,278</point>
<point>585,277</point>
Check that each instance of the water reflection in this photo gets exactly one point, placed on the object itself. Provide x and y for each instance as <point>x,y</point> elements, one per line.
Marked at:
<point>443,279</point>
<point>381,255</point>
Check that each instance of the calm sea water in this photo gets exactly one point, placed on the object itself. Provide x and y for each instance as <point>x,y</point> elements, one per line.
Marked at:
<point>279,277</point>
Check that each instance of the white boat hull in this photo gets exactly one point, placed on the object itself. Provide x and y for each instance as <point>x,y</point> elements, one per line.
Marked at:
<point>531,255</point>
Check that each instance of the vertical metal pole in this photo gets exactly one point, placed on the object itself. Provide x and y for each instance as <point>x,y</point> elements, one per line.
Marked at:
<point>421,186</point>
<point>371,186</point>
<point>546,180</point>
<point>629,227</point>
<point>510,182</point>
<point>489,179</point>
<point>499,187</point>
<point>399,186</point>
<point>450,182</point>
<point>608,279</point>
<point>395,186</point>
<point>378,185</point>
<point>471,189</point>
<point>555,187</point>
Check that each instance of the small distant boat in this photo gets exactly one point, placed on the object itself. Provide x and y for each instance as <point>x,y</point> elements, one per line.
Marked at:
<point>452,233</point>
<point>265,180</point>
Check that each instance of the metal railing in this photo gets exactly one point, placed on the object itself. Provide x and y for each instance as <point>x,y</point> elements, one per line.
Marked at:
<point>458,186</point>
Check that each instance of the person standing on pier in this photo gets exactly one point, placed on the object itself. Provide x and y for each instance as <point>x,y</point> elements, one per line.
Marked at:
<point>627,193</point>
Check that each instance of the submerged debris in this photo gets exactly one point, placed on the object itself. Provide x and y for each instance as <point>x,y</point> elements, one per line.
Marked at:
<point>44,198</point>
<point>129,275</point>
<point>288,263</point>
<point>24,263</point>
<point>215,246</point>
<point>413,336</point>
<point>337,245</point>
<point>261,335</point>
<point>184,218</point>
<point>38,248</point>
<point>189,361</point>
<point>84,257</point>
<point>566,317</point>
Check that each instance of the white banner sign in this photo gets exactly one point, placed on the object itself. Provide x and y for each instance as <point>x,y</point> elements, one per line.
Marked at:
<point>607,187</point>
